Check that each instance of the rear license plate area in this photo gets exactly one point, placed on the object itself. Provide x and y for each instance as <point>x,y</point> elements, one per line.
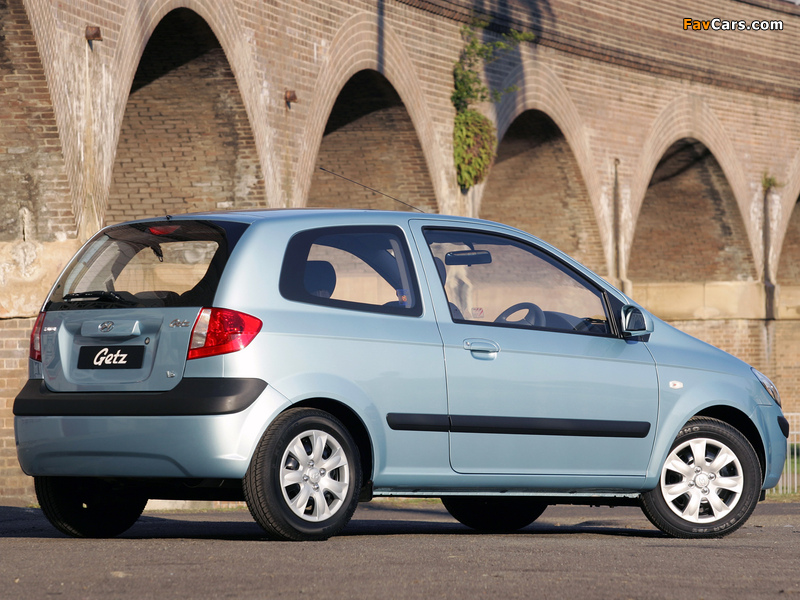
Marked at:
<point>111,357</point>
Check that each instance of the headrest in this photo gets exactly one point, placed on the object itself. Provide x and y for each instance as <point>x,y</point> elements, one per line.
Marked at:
<point>320,278</point>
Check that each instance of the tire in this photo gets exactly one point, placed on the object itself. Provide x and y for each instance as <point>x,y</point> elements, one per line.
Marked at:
<point>494,514</point>
<point>305,477</point>
<point>709,484</point>
<point>86,507</point>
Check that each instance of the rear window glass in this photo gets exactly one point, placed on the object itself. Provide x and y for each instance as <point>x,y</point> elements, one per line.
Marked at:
<point>359,268</point>
<point>154,264</point>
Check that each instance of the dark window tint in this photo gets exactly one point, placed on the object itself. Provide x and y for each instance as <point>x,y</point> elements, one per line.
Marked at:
<point>496,280</point>
<point>359,268</point>
<point>154,264</point>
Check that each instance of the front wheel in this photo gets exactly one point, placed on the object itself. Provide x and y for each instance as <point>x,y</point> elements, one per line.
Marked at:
<point>305,476</point>
<point>709,484</point>
<point>86,507</point>
<point>494,514</point>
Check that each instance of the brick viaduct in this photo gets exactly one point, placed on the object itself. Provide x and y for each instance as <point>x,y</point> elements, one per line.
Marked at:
<point>639,147</point>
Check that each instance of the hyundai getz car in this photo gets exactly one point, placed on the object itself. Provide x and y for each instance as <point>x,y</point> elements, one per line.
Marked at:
<point>306,360</point>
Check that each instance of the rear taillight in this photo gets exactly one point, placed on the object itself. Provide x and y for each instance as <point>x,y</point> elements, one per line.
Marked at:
<point>36,338</point>
<point>220,330</point>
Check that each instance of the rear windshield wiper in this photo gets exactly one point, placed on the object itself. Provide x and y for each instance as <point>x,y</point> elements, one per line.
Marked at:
<point>100,295</point>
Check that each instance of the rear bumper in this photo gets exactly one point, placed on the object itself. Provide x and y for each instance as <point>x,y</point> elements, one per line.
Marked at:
<point>153,445</point>
<point>192,396</point>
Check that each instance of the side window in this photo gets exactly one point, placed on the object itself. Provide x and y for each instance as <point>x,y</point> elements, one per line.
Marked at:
<point>491,279</point>
<point>359,268</point>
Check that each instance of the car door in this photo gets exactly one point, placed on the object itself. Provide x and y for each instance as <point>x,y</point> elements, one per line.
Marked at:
<point>538,382</point>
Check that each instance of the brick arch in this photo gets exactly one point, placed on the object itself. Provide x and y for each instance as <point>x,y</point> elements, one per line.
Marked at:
<point>138,25</point>
<point>540,89</point>
<point>536,185</point>
<point>689,227</point>
<point>787,244</point>
<point>37,204</point>
<point>355,48</point>
<point>186,126</point>
<point>51,47</point>
<point>689,117</point>
<point>370,138</point>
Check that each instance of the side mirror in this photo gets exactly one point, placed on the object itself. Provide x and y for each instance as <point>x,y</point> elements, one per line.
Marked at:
<point>635,322</point>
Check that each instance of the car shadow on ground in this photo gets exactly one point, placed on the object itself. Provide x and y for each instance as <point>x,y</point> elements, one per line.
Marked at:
<point>381,521</point>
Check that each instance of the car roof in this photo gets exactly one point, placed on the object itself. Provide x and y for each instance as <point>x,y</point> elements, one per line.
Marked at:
<point>313,214</point>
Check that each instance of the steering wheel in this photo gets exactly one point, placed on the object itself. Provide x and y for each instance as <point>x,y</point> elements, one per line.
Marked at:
<point>534,317</point>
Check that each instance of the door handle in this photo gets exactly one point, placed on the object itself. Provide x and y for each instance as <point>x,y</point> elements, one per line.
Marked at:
<point>482,349</point>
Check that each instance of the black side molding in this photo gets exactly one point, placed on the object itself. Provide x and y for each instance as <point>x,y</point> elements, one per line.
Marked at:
<point>418,422</point>
<point>517,425</point>
<point>192,396</point>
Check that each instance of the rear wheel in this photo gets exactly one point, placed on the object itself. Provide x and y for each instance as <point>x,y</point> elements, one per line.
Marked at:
<point>709,484</point>
<point>86,507</point>
<point>494,514</point>
<point>304,480</point>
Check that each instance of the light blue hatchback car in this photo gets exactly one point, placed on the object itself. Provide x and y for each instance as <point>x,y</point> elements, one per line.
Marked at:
<point>306,360</point>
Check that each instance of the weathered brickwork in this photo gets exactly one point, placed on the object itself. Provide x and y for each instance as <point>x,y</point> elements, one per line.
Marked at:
<point>371,139</point>
<point>536,184</point>
<point>789,268</point>
<point>36,203</point>
<point>185,110</point>
<point>689,227</point>
<point>186,144</point>
<point>14,336</point>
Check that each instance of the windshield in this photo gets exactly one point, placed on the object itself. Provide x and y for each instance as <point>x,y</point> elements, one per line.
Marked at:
<point>154,264</point>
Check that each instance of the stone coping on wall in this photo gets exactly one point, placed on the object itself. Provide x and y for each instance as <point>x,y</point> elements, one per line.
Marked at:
<point>704,300</point>
<point>27,271</point>
<point>787,301</point>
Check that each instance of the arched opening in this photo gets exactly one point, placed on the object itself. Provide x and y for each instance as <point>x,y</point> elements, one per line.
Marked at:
<point>536,185</point>
<point>186,143</point>
<point>786,344</point>
<point>689,228</point>
<point>789,264</point>
<point>370,138</point>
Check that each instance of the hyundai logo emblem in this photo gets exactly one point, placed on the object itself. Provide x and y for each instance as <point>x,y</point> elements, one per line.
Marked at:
<point>106,326</point>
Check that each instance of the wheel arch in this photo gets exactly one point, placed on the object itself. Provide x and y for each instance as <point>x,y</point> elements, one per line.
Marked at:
<point>740,421</point>
<point>355,426</point>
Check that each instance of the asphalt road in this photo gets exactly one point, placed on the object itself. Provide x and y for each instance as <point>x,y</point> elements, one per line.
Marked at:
<point>403,550</point>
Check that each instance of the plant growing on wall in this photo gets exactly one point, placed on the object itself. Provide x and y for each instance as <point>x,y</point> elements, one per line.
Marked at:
<point>474,137</point>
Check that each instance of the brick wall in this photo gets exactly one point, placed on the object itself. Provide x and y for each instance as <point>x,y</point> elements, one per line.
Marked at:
<point>789,266</point>
<point>370,139</point>
<point>536,185</point>
<point>785,366</point>
<point>35,203</point>
<point>186,144</point>
<point>14,341</point>
<point>689,227</point>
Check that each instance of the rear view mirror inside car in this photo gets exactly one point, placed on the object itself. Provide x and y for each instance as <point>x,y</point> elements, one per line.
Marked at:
<point>468,257</point>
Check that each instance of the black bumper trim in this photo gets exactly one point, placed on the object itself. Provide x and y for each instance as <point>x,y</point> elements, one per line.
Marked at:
<point>784,425</point>
<point>192,396</point>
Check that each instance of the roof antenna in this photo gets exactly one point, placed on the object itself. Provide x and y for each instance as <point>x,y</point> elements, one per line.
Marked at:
<point>366,187</point>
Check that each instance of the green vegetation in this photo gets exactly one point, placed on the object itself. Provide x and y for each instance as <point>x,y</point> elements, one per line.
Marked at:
<point>474,143</point>
<point>768,182</point>
<point>474,138</point>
